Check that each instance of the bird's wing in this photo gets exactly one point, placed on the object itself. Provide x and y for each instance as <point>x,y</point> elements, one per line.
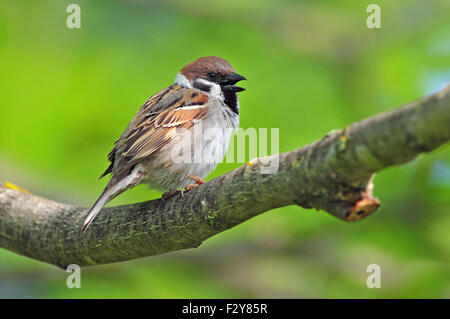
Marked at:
<point>156,123</point>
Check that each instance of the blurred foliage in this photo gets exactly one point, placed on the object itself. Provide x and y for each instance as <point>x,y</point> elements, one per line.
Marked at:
<point>312,66</point>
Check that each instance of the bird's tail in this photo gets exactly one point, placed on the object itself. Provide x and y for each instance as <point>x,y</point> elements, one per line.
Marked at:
<point>108,194</point>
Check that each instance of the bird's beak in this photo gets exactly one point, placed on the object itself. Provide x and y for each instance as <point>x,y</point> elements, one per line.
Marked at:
<point>233,88</point>
<point>231,79</point>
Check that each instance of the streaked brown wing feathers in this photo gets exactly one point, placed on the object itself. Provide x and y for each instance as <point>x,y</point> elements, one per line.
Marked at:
<point>157,122</point>
<point>161,130</point>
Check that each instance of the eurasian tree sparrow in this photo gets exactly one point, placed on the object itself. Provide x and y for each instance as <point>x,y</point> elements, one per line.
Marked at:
<point>203,93</point>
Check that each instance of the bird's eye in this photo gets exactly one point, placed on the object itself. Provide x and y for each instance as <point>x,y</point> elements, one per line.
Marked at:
<point>212,75</point>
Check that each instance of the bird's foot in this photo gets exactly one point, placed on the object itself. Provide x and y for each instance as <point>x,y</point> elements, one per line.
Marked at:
<point>188,187</point>
<point>197,180</point>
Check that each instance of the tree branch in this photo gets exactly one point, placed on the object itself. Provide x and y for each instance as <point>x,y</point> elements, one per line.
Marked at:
<point>333,174</point>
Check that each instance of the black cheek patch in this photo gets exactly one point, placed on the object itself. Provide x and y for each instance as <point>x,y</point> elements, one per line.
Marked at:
<point>202,86</point>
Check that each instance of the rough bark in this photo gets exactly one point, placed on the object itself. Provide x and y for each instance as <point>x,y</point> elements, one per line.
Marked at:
<point>333,174</point>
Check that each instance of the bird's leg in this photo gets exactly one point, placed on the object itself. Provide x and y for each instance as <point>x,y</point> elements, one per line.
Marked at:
<point>198,181</point>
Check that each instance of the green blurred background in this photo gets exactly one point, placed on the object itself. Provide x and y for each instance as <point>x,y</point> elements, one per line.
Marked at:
<point>312,66</point>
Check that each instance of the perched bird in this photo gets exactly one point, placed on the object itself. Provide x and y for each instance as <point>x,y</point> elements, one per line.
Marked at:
<point>203,98</point>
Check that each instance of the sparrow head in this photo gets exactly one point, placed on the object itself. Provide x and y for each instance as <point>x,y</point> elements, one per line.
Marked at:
<point>212,75</point>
